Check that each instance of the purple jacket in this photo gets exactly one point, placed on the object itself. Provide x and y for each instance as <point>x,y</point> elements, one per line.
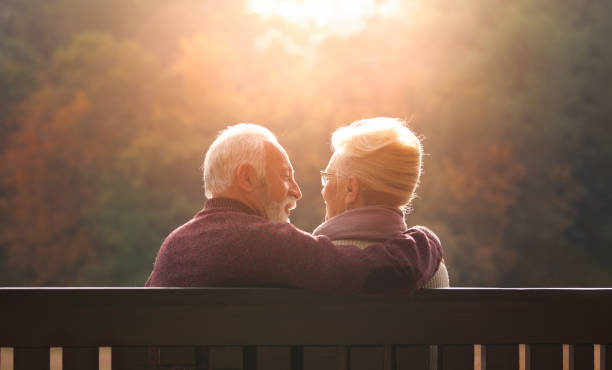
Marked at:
<point>228,244</point>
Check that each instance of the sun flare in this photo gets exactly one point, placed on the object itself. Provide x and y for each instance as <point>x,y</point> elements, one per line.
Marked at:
<point>340,16</point>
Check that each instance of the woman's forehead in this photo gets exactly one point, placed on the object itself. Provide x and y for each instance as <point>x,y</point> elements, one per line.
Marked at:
<point>332,161</point>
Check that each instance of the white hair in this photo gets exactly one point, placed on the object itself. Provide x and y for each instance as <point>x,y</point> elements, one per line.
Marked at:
<point>236,145</point>
<point>383,154</point>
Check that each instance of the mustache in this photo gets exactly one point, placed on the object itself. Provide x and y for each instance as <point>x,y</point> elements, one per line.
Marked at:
<point>291,202</point>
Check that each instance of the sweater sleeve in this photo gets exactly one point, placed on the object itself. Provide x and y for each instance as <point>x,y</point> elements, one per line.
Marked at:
<point>279,253</point>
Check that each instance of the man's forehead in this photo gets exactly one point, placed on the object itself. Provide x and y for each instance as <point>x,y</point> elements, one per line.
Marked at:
<point>277,155</point>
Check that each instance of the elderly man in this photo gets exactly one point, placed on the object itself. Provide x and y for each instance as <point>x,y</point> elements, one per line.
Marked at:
<point>242,237</point>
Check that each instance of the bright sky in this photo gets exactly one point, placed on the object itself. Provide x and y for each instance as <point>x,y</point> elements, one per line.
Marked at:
<point>342,17</point>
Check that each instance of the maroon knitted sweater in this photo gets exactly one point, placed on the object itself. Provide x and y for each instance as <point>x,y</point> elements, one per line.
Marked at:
<point>228,244</point>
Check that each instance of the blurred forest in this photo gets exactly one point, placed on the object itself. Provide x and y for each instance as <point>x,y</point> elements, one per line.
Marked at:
<point>107,109</point>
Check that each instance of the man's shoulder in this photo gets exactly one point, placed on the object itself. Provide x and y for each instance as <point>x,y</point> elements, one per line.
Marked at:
<point>223,218</point>
<point>217,223</point>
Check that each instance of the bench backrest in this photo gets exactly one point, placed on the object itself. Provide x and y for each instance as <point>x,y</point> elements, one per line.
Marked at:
<point>287,328</point>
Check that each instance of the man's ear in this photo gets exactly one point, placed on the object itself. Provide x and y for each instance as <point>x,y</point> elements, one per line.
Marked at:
<point>352,190</point>
<point>246,178</point>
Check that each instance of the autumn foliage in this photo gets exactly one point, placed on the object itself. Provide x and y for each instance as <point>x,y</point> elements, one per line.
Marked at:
<point>107,108</point>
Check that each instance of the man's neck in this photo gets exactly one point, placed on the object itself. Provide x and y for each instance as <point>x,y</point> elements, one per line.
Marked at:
<point>248,199</point>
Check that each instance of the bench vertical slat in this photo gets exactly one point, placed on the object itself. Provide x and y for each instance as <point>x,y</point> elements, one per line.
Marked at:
<point>78,358</point>
<point>502,356</point>
<point>297,358</point>
<point>480,357</point>
<point>546,357</point>
<point>55,358</point>
<point>202,358</point>
<point>597,357</point>
<point>568,357</point>
<point>605,356</point>
<point>412,357</point>
<point>524,357</point>
<point>343,357</point>
<point>6,358</point>
<point>105,358</point>
<point>389,357</point>
<point>436,358</point>
<point>456,357</point>
<point>27,358</point>
<point>249,358</point>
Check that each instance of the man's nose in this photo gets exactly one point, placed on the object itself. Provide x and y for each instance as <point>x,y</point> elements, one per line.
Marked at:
<point>295,190</point>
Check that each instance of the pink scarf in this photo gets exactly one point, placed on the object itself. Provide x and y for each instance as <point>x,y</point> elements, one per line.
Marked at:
<point>364,223</point>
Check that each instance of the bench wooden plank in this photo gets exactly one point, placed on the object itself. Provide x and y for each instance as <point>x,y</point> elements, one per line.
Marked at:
<point>241,316</point>
<point>202,358</point>
<point>249,358</point>
<point>6,358</point>
<point>297,358</point>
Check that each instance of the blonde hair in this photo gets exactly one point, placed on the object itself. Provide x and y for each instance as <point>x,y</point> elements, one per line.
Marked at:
<point>236,145</point>
<point>384,155</point>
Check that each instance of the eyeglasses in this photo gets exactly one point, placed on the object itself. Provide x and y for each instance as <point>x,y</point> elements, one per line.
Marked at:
<point>325,177</point>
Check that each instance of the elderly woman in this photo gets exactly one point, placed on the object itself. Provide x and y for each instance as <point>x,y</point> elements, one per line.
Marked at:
<point>369,183</point>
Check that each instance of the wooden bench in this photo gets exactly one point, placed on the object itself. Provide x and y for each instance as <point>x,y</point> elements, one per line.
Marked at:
<point>276,328</point>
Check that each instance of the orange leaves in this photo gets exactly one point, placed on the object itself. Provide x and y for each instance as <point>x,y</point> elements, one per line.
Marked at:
<point>69,115</point>
<point>48,196</point>
<point>471,195</point>
<point>488,176</point>
<point>71,130</point>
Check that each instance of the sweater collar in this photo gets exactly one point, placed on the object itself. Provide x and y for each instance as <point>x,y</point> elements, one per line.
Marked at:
<point>364,223</point>
<point>228,204</point>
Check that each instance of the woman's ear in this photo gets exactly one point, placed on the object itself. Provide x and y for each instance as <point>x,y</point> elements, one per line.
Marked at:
<point>352,191</point>
<point>246,178</point>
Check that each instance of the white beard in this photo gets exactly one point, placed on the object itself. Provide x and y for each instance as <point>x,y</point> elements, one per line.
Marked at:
<point>275,211</point>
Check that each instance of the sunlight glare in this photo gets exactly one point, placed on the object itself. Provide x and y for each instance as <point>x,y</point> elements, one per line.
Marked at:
<point>338,16</point>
